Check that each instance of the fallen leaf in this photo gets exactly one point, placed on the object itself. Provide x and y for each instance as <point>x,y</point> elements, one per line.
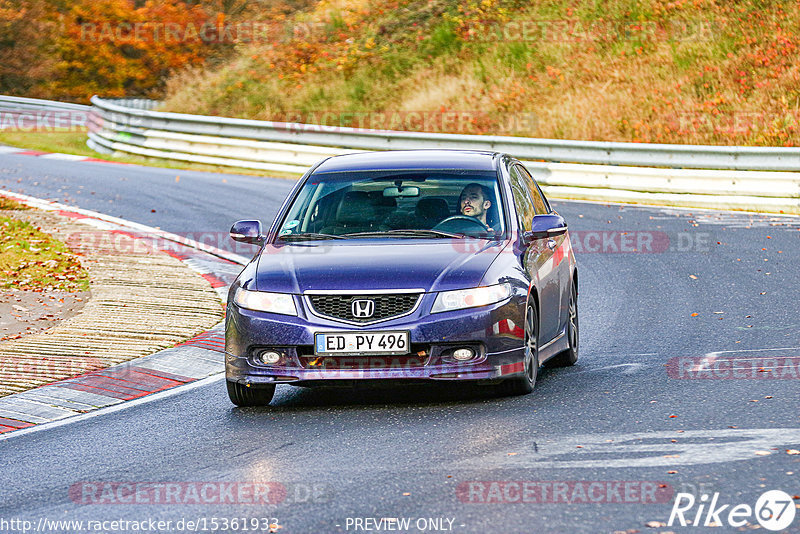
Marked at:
<point>655,524</point>
<point>406,494</point>
<point>762,453</point>
<point>672,472</point>
<point>695,314</point>
<point>792,451</point>
<point>513,453</point>
<point>693,277</point>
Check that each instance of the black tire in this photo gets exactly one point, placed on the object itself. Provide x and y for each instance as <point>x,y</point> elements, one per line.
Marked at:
<point>250,396</point>
<point>524,384</point>
<point>570,356</point>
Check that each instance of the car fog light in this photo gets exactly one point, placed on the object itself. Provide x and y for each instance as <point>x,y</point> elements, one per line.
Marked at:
<point>463,355</point>
<point>270,357</point>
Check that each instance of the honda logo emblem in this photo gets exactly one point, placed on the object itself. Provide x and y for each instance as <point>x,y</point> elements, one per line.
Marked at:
<point>363,309</point>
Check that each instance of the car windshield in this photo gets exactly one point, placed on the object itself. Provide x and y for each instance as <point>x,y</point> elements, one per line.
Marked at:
<point>418,204</point>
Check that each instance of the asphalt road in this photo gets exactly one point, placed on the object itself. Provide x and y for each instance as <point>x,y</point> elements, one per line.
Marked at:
<point>631,411</point>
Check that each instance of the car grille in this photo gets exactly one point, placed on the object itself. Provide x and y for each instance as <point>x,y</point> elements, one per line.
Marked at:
<point>418,357</point>
<point>386,306</point>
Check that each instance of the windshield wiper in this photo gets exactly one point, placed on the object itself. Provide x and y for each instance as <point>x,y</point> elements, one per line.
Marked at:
<point>408,233</point>
<point>308,236</point>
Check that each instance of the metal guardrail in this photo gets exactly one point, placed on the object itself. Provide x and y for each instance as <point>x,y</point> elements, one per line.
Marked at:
<point>277,146</point>
<point>14,103</point>
<point>555,150</point>
<point>135,103</point>
<point>33,115</point>
<point>132,126</point>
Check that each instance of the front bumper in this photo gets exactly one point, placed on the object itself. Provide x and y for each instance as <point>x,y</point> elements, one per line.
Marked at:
<point>494,332</point>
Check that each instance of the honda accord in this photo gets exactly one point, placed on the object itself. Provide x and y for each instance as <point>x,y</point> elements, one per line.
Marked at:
<point>404,266</point>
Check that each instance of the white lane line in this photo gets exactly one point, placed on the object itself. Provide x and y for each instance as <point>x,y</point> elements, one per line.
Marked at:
<point>115,408</point>
<point>708,361</point>
<point>627,368</point>
<point>66,157</point>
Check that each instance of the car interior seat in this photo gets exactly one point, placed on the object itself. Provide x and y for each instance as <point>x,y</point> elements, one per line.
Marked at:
<point>356,213</point>
<point>430,211</point>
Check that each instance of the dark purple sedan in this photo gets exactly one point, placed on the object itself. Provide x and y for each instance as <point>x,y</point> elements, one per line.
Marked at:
<point>404,266</point>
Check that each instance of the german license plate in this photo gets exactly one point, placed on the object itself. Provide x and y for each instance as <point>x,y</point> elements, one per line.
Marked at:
<point>357,343</point>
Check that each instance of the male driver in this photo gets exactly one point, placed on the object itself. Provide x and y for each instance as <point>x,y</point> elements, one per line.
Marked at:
<point>474,201</point>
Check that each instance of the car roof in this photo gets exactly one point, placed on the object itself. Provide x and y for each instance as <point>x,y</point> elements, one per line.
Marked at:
<point>411,160</point>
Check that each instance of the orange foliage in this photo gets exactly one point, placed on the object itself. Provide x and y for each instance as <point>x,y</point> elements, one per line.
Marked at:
<point>114,49</point>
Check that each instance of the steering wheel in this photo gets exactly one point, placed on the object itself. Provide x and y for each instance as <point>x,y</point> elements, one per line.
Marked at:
<point>461,224</point>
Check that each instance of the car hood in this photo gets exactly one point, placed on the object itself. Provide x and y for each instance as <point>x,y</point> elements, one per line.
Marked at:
<point>375,265</point>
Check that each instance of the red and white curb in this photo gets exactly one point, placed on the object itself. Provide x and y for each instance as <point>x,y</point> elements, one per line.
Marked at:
<point>14,151</point>
<point>199,358</point>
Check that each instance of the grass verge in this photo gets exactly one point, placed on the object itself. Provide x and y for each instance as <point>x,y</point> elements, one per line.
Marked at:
<point>31,260</point>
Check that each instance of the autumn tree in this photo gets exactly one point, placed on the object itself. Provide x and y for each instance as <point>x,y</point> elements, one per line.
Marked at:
<point>26,32</point>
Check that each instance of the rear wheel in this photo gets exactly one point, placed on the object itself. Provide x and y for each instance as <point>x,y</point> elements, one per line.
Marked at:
<point>570,356</point>
<point>522,385</point>
<point>242,395</point>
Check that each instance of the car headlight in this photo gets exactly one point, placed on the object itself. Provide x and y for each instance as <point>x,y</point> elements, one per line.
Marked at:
<point>470,298</point>
<point>282,303</point>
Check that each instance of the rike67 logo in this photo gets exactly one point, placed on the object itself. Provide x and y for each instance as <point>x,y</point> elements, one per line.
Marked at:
<point>774,510</point>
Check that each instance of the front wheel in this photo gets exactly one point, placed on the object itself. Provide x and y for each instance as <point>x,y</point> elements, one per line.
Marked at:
<point>522,385</point>
<point>250,396</point>
<point>570,356</point>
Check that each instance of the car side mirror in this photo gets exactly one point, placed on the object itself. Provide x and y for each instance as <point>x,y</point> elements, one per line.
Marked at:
<point>544,226</point>
<point>247,232</point>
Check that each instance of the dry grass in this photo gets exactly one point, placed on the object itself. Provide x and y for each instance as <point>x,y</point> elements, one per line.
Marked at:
<point>620,70</point>
<point>34,261</point>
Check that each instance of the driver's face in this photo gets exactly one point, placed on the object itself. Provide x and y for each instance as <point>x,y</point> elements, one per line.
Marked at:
<point>473,203</point>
